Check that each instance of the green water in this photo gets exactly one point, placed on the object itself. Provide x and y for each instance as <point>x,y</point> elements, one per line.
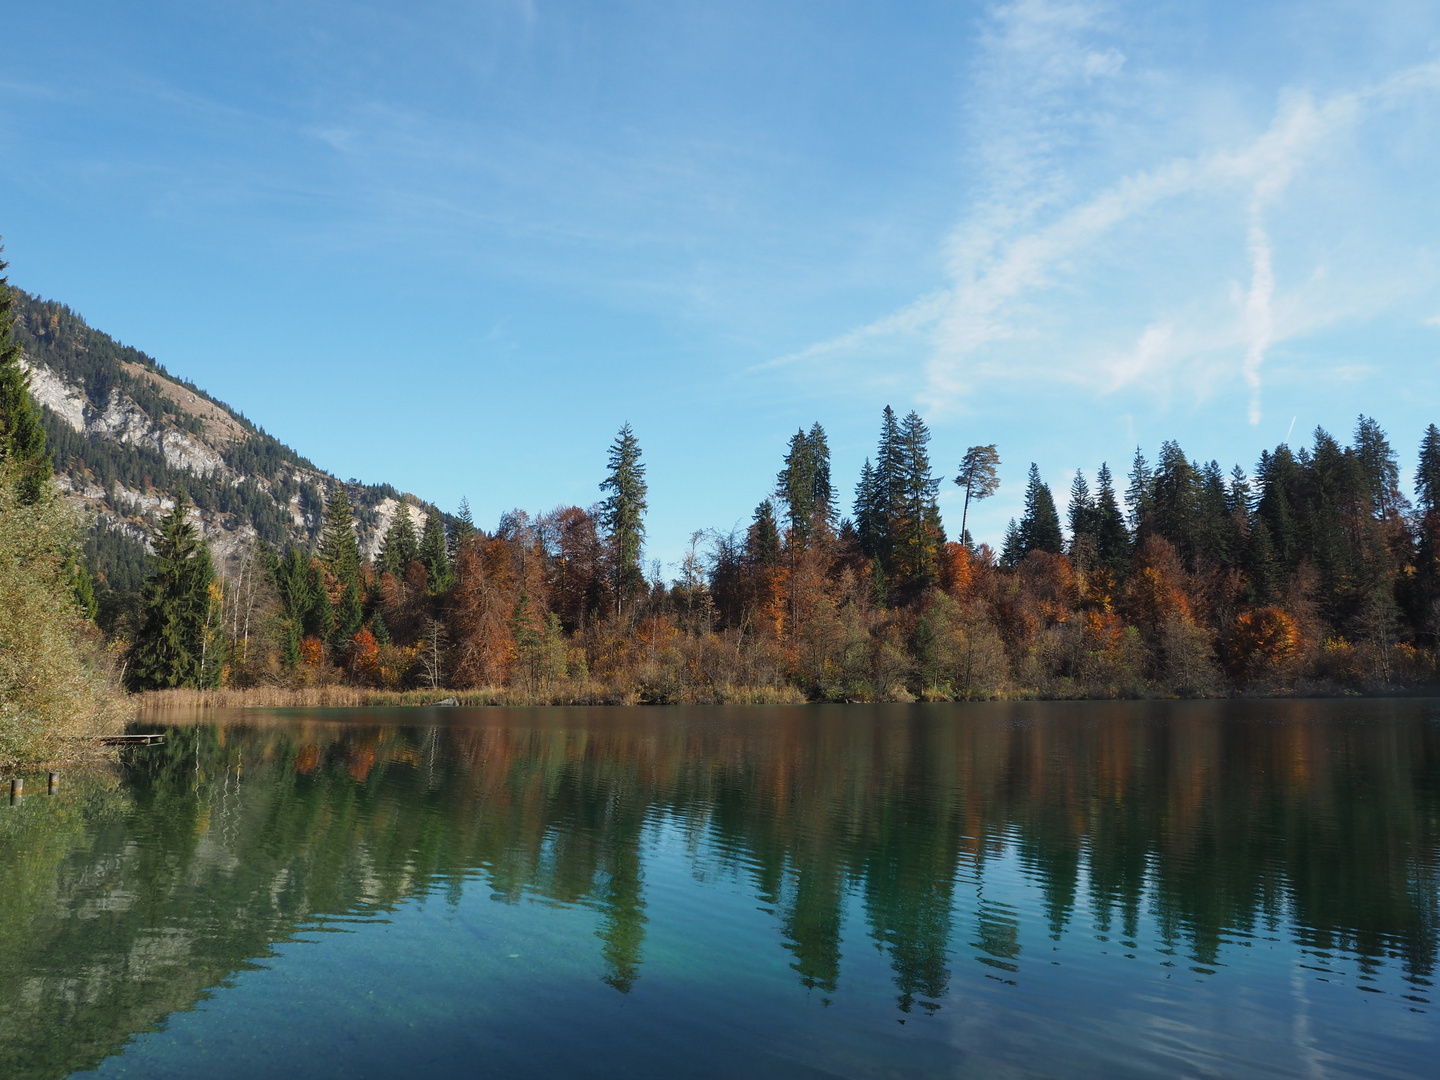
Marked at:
<point>1174,889</point>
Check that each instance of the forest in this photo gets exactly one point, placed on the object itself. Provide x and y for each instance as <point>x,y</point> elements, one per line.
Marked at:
<point>1311,574</point>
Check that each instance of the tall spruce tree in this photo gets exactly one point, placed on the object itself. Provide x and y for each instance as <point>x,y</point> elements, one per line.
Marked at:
<point>803,485</point>
<point>433,554</point>
<point>401,546</point>
<point>22,432</point>
<point>623,515</point>
<point>1040,527</point>
<point>1139,495</point>
<point>1379,467</point>
<point>762,540</point>
<point>1112,542</point>
<point>462,530</point>
<point>179,643</point>
<point>1082,514</point>
<point>1427,472</point>
<point>916,530</point>
<point>338,549</point>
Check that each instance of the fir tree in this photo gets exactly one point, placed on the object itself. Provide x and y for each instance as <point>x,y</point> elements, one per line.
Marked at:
<point>762,541</point>
<point>623,514</point>
<point>349,617</point>
<point>432,554</point>
<point>868,522</point>
<point>22,433</point>
<point>804,483</point>
<point>1379,467</point>
<point>1040,527</point>
<point>462,530</point>
<point>1138,494</point>
<point>1082,514</point>
<point>1011,551</point>
<point>1112,542</point>
<point>401,546</point>
<point>916,530</point>
<point>178,643</point>
<point>1427,472</point>
<point>338,549</point>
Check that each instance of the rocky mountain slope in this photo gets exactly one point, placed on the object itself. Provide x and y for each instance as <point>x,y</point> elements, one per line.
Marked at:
<point>126,436</point>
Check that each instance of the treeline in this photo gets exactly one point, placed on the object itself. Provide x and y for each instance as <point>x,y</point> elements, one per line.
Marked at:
<point>1313,573</point>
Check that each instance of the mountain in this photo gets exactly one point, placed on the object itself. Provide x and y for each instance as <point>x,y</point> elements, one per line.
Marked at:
<point>126,435</point>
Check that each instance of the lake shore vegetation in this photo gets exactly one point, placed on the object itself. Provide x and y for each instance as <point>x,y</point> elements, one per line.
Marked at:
<point>1312,575</point>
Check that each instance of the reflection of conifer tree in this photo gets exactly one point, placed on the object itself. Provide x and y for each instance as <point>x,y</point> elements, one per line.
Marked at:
<point>811,925</point>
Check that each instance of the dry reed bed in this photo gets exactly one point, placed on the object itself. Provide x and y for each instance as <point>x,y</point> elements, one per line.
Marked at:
<point>320,697</point>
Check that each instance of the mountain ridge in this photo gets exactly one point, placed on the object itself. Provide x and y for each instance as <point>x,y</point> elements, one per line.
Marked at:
<point>125,435</point>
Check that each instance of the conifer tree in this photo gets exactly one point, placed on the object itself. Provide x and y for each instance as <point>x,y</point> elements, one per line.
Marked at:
<point>338,549</point>
<point>401,546</point>
<point>22,434</point>
<point>916,530</point>
<point>1082,515</point>
<point>1040,527</point>
<point>623,514</point>
<point>868,522</point>
<point>804,483</point>
<point>462,530</point>
<point>1379,467</point>
<point>979,477</point>
<point>1112,542</point>
<point>1011,551</point>
<point>432,553</point>
<point>762,541</point>
<point>1427,472</point>
<point>179,643</point>
<point>349,617</point>
<point>1138,494</point>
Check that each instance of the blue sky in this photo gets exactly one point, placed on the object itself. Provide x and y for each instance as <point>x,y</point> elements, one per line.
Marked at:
<point>455,246</point>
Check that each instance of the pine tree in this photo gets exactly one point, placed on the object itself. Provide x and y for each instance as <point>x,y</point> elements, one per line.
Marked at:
<point>179,643</point>
<point>22,433</point>
<point>623,514</point>
<point>401,546</point>
<point>979,477</point>
<point>1040,527</point>
<point>432,554</point>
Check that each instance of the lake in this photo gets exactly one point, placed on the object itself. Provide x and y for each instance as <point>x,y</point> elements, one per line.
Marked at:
<point>1005,889</point>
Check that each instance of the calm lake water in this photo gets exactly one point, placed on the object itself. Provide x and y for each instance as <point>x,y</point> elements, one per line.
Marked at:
<point>1141,889</point>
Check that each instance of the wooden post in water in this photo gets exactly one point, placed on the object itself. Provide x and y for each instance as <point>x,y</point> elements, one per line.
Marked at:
<point>17,790</point>
<point>54,783</point>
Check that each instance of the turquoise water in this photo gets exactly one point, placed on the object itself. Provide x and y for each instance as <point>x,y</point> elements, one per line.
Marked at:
<point>1038,889</point>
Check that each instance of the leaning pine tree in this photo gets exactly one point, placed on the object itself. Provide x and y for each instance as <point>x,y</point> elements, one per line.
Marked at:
<point>180,641</point>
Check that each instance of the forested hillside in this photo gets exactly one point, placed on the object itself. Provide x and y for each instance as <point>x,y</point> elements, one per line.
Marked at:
<point>125,436</point>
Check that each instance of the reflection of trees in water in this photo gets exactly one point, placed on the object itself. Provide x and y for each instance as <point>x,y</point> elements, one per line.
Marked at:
<point>1212,822</point>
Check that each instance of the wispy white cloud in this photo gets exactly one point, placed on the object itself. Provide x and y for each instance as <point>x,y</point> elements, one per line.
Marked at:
<point>1020,262</point>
